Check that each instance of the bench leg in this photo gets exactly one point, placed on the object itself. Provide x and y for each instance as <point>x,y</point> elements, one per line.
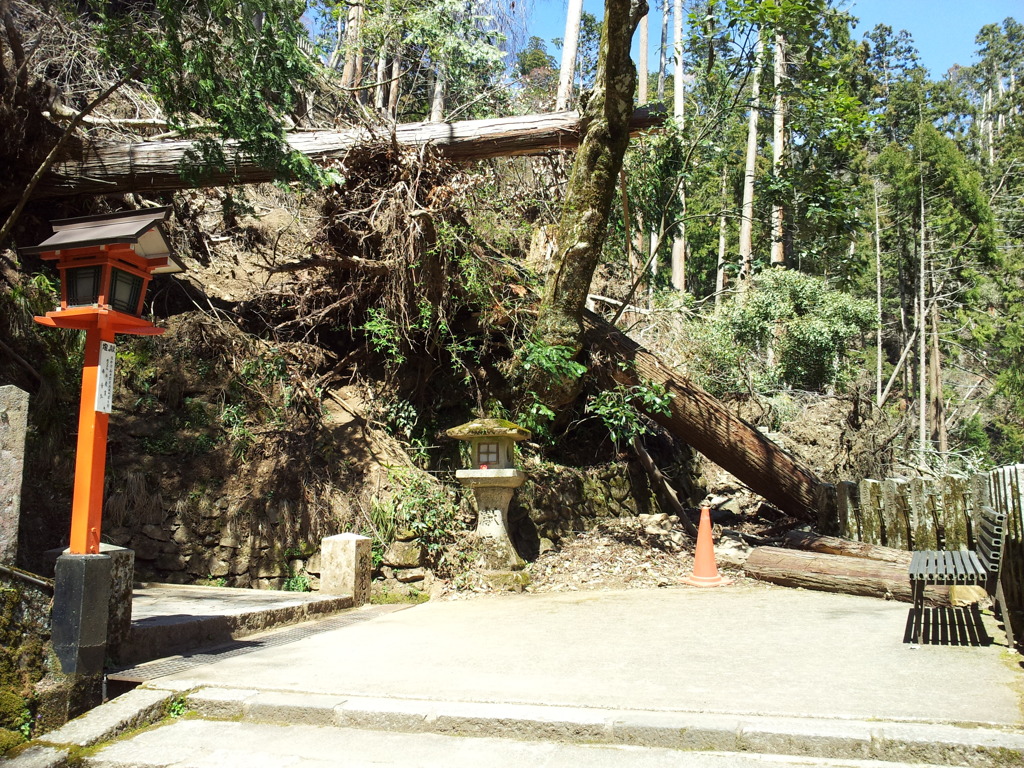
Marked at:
<point>918,593</point>
<point>1000,606</point>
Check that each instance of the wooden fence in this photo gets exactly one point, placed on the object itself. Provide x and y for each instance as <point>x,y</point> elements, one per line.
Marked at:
<point>923,513</point>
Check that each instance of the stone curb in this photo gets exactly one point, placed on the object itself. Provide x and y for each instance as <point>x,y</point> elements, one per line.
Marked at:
<point>812,737</point>
<point>158,639</point>
<point>131,710</point>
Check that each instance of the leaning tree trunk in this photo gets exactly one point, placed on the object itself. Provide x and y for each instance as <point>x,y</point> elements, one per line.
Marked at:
<point>156,166</point>
<point>708,426</point>
<point>588,199</point>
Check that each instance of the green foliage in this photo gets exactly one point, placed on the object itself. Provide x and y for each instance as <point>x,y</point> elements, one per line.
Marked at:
<point>384,336</point>
<point>545,361</point>
<point>622,409</point>
<point>236,64</point>
<point>424,508</point>
<point>806,325</point>
<point>297,582</point>
<point>177,707</point>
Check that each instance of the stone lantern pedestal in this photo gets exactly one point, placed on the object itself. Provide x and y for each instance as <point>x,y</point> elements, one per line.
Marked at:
<point>493,482</point>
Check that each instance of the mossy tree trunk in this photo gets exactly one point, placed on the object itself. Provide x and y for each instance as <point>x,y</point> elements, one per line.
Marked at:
<point>584,223</point>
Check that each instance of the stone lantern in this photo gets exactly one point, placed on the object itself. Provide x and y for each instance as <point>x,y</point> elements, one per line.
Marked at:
<point>494,478</point>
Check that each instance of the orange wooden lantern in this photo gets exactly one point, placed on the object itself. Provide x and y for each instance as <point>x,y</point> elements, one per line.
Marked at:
<point>105,264</point>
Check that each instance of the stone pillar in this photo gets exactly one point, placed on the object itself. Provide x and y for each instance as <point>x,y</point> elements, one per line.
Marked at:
<point>119,604</point>
<point>345,567</point>
<point>13,428</point>
<point>79,624</point>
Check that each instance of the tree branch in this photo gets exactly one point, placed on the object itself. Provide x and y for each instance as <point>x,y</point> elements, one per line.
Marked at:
<point>51,158</point>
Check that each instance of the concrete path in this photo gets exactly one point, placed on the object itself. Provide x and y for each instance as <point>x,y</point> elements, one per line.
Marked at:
<point>739,676</point>
<point>751,650</point>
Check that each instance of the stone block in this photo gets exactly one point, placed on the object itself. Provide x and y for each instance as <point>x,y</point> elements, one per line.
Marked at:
<point>119,606</point>
<point>345,567</point>
<point>846,510</point>
<point>922,517</point>
<point>870,519</point>
<point>404,554</point>
<point>896,512</point>
<point>13,428</point>
<point>954,492</point>
<point>79,625</point>
<point>409,575</point>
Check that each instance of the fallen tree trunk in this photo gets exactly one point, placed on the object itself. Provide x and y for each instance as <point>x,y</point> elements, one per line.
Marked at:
<point>709,426</point>
<point>156,166</point>
<point>836,573</point>
<point>833,545</point>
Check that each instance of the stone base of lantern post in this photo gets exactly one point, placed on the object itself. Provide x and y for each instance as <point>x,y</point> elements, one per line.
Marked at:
<point>79,620</point>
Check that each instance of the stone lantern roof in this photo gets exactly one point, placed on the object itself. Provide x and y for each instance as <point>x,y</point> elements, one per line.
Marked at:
<point>479,428</point>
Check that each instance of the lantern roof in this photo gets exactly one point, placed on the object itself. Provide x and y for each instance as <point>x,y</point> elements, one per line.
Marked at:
<point>488,428</point>
<point>143,229</point>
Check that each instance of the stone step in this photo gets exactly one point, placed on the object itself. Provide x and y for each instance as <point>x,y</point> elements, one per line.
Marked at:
<point>937,743</point>
<point>214,744</point>
<point>169,619</point>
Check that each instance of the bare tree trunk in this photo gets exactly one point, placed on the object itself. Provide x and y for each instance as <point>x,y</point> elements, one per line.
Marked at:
<point>339,43</point>
<point>709,426</point>
<point>382,66</point>
<point>878,303</point>
<point>642,65</point>
<point>922,339</point>
<point>722,243</point>
<point>352,31</point>
<point>778,257</point>
<point>569,47</point>
<point>938,404</point>
<point>663,51</point>
<point>747,214</point>
<point>583,227</point>
<point>437,100</point>
<point>679,244</point>
<point>395,85</point>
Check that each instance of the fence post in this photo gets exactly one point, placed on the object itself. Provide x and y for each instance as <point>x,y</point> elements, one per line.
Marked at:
<point>872,531</point>
<point>895,513</point>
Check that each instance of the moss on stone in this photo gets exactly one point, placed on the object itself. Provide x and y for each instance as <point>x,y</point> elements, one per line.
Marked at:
<point>9,740</point>
<point>12,710</point>
<point>487,428</point>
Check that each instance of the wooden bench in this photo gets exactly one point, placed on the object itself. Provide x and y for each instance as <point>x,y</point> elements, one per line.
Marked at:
<point>961,566</point>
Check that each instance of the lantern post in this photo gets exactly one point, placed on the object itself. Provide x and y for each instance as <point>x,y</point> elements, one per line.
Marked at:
<point>105,264</point>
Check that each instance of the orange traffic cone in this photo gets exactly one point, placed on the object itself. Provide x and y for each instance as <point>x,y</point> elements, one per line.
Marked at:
<point>705,572</point>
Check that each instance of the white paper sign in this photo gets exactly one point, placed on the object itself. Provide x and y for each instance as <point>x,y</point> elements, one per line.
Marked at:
<point>105,378</point>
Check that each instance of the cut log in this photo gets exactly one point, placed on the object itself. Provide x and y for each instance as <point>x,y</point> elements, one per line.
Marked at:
<point>706,424</point>
<point>837,573</point>
<point>155,166</point>
<point>833,545</point>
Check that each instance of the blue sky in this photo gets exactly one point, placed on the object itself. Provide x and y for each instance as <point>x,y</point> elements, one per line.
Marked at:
<point>943,30</point>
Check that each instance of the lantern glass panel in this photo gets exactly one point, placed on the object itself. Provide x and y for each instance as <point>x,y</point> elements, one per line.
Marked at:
<point>487,453</point>
<point>83,286</point>
<point>125,289</point>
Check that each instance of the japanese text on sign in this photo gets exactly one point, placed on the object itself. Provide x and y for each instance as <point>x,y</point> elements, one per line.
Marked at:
<point>105,378</point>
